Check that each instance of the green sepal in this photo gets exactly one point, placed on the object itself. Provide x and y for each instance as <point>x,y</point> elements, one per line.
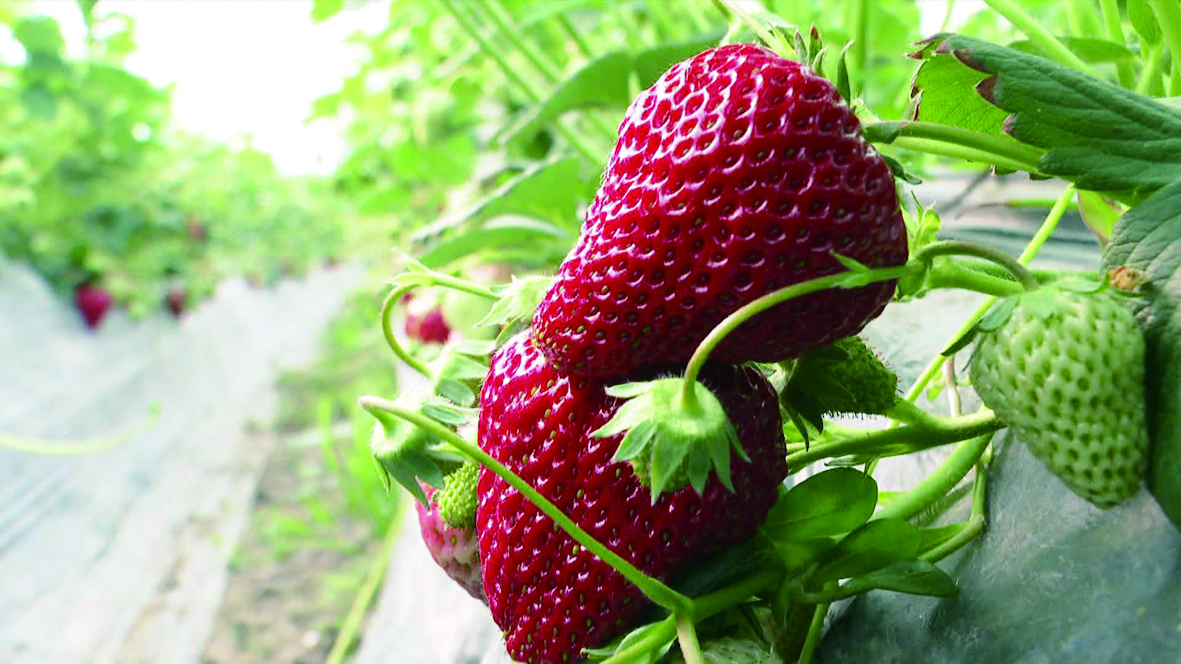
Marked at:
<point>669,445</point>
<point>842,82</point>
<point>518,300</point>
<point>405,452</point>
<point>996,317</point>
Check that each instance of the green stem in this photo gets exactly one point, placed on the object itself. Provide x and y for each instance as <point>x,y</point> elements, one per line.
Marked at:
<point>78,447</point>
<point>387,330</point>
<point>1031,249</point>
<point>976,521</point>
<point>511,33</point>
<point>1168,15</point>
<point>906,439</point>
<point>579,40</point>
<point>1041,37</point>
<point>1115,32</point>
<point>656,591</point>
<point>718,601</point>
<point>440,279</point>
<point>862,23</point>
<point>369,587</point>
<point>953,151</point>
<point>905,412</point>
<point>814,630</point>
<point>961,248</point>
<point>1022,156</point>
<point>955,275</point>
<point>1151,74</point>
<point>497,54</point>
<point>751,309</point>
<point>687,638</point>
<point>938,483</point>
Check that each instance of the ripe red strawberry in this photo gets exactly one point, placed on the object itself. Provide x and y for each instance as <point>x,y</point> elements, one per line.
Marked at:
<point>93,302</point>
<point>430,327</point>
<point>453,549</point>
<point>735,175</point>
<point>551,597</point>
<point>176,299</point>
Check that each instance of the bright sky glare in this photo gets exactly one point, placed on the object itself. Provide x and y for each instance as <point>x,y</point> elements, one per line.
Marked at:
<point>253,67</point>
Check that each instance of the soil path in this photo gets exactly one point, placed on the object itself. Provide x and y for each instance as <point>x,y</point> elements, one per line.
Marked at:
<point>120,556</point>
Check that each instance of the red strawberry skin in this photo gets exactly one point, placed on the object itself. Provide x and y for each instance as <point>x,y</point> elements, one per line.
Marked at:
<point>552,597</point>
<point>735,175</point>
<point>453,549</point>
<point>93,302</point>
<point>176,300</point>
<point>430,327</point>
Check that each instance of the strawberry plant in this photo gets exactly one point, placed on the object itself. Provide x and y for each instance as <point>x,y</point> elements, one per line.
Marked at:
<point>638,412</point>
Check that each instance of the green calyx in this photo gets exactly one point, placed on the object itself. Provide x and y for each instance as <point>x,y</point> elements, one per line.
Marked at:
<point>846,377</point>
<point>670,441</point>
<point>457,499</point>
<point>407,454</point>
<point>730,650</point>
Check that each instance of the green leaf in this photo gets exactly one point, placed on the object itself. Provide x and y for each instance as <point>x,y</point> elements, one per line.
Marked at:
<point>1099,214</point>
<point>873,546</point>
<point>635,636</point>
<point>550,191</point>
<point>935,537</point>
<point>1148,238</point>
<point>389,201</point>
<point>944,92</point>
<point>323,10</point>
<point>1143,20</point>
<point>600,83</point>
<point>913,577</point>
<point>999,314</point>
<point>1096,134</point>
<point>833,502</point>
<point>511,231</point>
<point>39,35</point>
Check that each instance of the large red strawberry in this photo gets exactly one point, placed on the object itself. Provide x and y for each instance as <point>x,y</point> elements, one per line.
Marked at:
<point>552,597</point>
<point>93,302</point>
<point>736,174</point>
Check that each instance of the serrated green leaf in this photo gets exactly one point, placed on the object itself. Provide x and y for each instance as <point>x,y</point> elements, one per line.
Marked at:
<point>874,546</point>
<point>830,503</point>
<point>944,92</point>
<point>1096,134</point>
<point>1148,238</point>
<point>1143,20</point>
<point>913,577</point>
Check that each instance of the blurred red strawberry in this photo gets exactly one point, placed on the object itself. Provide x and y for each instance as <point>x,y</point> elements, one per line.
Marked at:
<point>93,302</point>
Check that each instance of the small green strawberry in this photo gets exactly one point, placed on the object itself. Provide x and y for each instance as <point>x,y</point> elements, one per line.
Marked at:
<point>1065,369</point>
<point>457,500</point>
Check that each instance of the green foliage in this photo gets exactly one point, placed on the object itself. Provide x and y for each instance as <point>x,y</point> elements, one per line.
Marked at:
<point>95,186</point>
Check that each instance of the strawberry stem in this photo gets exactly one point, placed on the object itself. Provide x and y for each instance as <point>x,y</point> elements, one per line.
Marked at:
<point>965,143</point>
<point>687,639</point>
<point>814,630</point>
<point>751,309</point>
<point>646,645</point>
<point>387,329</point>
<point>654,589</point>
<point>961,248</point>
<point>902,440</point>
<point>939,483</point>
<point>975,524</point>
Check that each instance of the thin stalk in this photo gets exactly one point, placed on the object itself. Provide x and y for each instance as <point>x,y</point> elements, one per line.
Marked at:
<point>913,437</point>
<point>864,7</point>
<point>955,275</point>
<point>751,309</point>
<point>938,483</point>
<point>1115,32</point>
<point>78,447</point>
<point>1041,37</point>
<point>387,330</point>
<point>1151,74</point>
<point>1168,15</point>
<point>1028,157</point>
<point>1031,249</point>
<point>667,630</point>
<point>511,33</point>
<point>687,638</point>
<point>953,151</point>
<point>975,524</point>
<point>369,587</point>
<point>814,629</point>
<point>656,591</point>
<point>959,248</point>
<point>497,55</point>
